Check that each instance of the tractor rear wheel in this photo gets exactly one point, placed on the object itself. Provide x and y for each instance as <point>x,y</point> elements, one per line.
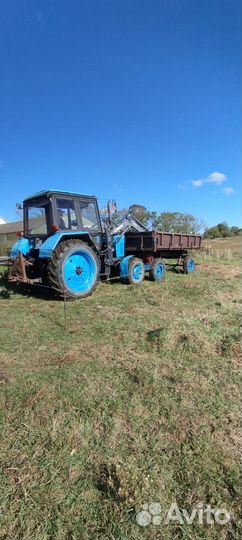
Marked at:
<point>158,270</point>
<point>74,269</point>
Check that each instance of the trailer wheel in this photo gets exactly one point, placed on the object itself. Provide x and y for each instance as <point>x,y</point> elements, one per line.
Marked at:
<point>188,265</point>
<point>74,269</point>
<point>136,271</point>
<point>158,270</point>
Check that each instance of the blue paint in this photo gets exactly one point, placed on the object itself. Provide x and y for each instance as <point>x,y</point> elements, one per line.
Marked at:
<point>80,271</point>
<point>160,271</point>
<point>119,242</point>
<point>191,266</point>
<point>147,266</point>
<point>50,243</point>
<point>23,245</point>
<point>124,266</point>
<point>97,239</point>
<point>137,272</point>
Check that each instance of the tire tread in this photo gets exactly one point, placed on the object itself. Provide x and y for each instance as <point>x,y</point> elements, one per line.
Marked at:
<point>55,269</point>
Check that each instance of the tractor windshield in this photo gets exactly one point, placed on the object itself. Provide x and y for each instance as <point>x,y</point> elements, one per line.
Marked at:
<point>37,219</point>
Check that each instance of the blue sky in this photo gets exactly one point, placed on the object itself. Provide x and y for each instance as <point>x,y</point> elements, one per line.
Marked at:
<point>137,100</point>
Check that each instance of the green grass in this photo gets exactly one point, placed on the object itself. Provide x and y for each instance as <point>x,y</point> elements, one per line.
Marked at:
<point>136,401</point>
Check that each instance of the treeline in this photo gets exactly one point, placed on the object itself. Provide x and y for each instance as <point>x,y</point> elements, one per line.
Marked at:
<point>165,221</point>
<point>179,222</point>
<point>222,230</point>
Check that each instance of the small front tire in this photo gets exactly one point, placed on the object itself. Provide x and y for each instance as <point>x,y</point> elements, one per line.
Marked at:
<point>136,271</point>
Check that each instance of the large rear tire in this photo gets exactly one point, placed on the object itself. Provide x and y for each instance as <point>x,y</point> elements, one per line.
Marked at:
<point>74,269</point>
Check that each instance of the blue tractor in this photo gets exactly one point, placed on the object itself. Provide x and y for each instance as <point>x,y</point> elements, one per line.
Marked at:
<point>65,245</point>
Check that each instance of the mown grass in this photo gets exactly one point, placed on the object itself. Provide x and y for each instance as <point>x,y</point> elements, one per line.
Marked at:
<point>136,401</point>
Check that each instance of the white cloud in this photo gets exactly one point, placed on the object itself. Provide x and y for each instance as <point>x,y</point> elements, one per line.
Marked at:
<point>216,178</point>
<point>197,183</point>
<point>228,190</point>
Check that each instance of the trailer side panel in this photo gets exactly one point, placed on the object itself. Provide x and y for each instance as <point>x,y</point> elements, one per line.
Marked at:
<point>156,241</point>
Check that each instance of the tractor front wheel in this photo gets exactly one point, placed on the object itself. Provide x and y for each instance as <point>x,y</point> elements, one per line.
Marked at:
<point>74,269</point>
<point>136,271</point>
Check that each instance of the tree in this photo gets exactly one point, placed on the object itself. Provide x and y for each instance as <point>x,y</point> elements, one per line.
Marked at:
<point>224,229</point>
<point>166,221</point>
<point>141,213</point>
<point>152,219</point>
<point>178,222</point>
<point>212,232</point>
<point>235,230</point>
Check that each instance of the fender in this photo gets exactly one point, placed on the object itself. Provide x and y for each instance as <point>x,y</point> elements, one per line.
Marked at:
<point>124,266</point>
<point>48,246</point>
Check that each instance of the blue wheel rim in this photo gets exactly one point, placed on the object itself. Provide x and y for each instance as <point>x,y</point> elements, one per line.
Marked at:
<point>160,271</point>
<point>137,273</point>
<point>80,271</point>
<point>191,266</point>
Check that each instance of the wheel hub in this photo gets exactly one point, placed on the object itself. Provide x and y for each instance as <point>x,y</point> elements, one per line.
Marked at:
<point>79,270</point>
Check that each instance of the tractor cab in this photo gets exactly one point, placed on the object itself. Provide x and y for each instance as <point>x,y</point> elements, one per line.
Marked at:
<point>48,212</point>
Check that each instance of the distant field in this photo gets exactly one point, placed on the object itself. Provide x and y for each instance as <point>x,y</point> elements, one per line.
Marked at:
<point>137,401</point>
<point>227,246</point>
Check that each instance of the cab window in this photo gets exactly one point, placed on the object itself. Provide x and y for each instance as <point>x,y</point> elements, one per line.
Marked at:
<point>66,214</point>
<point>37,219</point>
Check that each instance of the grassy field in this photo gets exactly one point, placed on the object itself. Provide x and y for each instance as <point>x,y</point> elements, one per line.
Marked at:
<point>224,247</point>
<point>135,401</point>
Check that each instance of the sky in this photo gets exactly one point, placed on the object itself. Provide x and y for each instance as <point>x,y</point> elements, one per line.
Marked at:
<point>133,100</point>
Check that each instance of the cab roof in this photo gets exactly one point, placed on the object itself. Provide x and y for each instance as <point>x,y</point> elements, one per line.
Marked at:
<point>50,192</point>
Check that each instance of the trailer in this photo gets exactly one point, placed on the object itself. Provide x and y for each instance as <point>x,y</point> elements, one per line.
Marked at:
<point>66,246</point>
<point>168,245</point>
